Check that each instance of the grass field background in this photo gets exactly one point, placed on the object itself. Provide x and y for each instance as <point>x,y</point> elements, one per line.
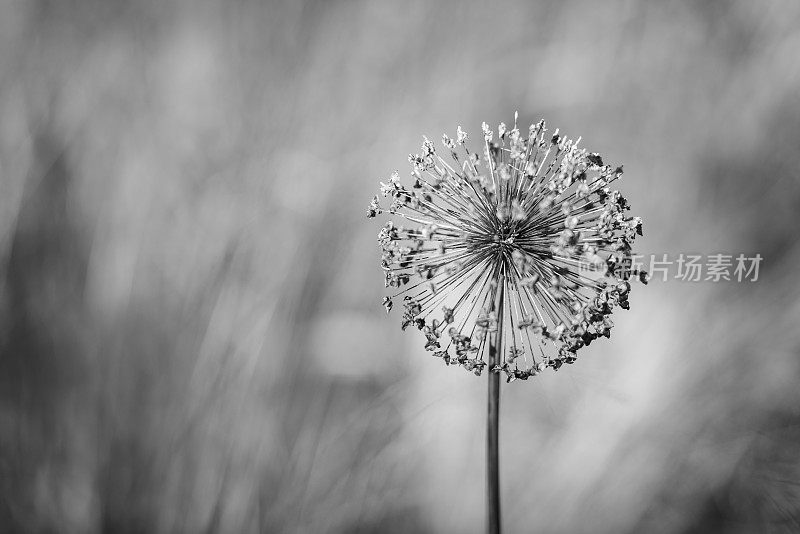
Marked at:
<point>191,336</point>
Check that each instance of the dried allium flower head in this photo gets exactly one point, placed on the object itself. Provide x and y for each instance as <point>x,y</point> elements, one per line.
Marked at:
<point>526,244</point>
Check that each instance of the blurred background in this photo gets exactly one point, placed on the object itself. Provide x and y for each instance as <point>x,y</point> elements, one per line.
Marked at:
<point>191,335</point>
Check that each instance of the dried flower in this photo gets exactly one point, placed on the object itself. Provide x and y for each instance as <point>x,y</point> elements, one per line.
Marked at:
<point>526,241</point>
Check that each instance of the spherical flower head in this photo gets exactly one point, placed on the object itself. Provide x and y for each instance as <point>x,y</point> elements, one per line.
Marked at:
<point>523,247</point>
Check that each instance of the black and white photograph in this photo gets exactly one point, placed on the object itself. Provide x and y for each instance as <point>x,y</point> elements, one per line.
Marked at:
<point>381,267</point>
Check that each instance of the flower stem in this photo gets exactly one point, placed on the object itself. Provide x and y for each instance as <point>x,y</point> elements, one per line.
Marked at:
<point>493,424</point>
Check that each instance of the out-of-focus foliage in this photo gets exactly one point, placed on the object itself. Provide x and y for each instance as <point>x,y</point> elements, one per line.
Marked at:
<point>191,335</point>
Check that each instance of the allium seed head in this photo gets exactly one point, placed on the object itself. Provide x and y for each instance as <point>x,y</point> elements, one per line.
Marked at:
<point>526,245</point>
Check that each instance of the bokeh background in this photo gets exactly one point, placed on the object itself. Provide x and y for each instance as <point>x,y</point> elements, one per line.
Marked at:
<point>191,336</point>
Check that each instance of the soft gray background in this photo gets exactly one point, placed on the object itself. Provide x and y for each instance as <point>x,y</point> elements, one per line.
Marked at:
<point>191,336</point>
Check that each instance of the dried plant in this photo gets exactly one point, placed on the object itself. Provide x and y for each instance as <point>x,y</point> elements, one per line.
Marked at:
<point>520,256</point>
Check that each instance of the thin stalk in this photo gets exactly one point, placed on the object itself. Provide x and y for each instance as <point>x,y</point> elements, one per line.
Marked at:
<point>493,423</point>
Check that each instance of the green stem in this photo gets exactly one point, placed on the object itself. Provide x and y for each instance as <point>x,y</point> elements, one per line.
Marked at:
<point>493,424</point>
